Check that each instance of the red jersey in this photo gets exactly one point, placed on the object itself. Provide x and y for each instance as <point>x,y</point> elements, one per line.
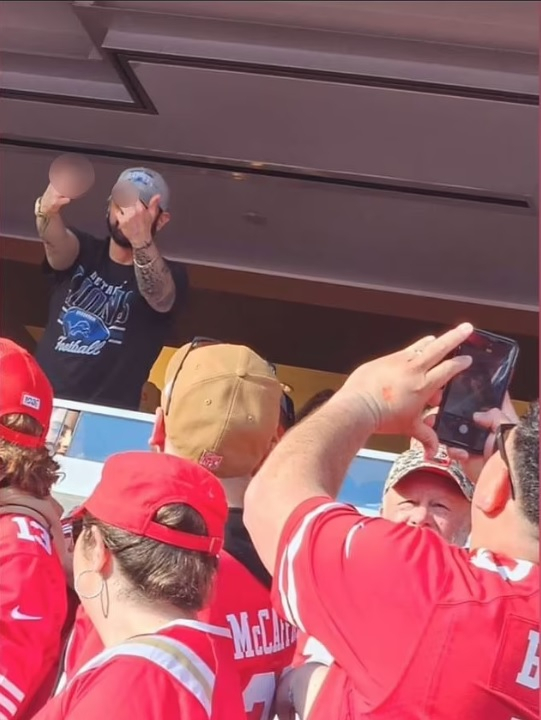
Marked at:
<point>33,609</point>
<point>182,672</point>
<point>419,629</point>
<point>263,644</point>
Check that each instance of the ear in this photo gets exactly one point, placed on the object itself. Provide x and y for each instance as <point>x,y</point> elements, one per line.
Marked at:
<point>97,554</point>
<point>163,220</point>
<point>157,438</point>
<point>493,490</point>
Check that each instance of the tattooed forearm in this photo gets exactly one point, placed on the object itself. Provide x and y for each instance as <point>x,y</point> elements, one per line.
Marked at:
<point>154,278</point>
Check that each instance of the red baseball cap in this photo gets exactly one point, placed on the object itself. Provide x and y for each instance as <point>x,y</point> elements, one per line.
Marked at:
<point>24,390</point>
<point>135,485</point>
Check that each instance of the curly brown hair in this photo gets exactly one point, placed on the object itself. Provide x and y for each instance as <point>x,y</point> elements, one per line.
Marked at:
<point>32,470</point>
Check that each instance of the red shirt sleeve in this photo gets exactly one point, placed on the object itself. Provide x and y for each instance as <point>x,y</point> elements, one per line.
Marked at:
<point>33,608</point>
<point>364,587</point>
<point>124,689</point>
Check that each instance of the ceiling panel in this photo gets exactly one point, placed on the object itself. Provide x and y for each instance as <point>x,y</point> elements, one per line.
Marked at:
<point>414,137</point>
<point>287,227</point>
<point>510,25</point>
<point>271,120</point>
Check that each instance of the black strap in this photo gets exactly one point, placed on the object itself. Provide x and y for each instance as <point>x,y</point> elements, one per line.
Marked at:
<point>238,543</point>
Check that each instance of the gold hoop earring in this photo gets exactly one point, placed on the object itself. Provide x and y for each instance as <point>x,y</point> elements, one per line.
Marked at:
<point>81,594</point>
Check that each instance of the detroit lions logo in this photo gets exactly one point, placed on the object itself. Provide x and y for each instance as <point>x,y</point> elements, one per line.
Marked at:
<point>80,329</point>
<point>94,315</point>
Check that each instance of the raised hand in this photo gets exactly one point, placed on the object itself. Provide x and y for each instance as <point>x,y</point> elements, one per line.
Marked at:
<point>136,221</point>
<point>70,177</point>
<point>52,201</point>
<point>397,388</point>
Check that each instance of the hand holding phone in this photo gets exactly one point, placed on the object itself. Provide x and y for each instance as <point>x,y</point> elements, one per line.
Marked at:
<point>478,389</point>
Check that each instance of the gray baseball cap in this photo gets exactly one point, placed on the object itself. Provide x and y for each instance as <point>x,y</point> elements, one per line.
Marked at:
<point>414,460</point>
<point>148,183</point>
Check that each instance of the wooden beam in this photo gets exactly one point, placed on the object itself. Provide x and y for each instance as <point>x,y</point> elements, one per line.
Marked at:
<point>379,302</point>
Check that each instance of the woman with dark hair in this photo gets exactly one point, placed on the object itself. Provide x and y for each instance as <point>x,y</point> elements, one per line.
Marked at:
<point>144,562</point>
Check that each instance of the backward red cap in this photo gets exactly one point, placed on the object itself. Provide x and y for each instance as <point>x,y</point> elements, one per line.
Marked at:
<point>135,485</point>
<point>24,390</point>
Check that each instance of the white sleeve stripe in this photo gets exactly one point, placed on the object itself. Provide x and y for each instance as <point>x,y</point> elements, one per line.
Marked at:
<point>281,589</point>
<point>349,537</point>
<point>289,597</point>
<point>3,717</point>
<point>184,655</point>
<point>187,668</point>
<point>11,689</point>
<point>8,704</point>
<point>62,682</point>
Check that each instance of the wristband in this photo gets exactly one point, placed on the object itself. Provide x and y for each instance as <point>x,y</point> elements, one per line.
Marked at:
<point>144,265</point>
<point>37,208</point>
<point>41,216</point>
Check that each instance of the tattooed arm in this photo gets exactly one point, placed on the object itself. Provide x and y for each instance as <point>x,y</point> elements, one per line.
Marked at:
<point>154,278</point>
<point>61,245</point>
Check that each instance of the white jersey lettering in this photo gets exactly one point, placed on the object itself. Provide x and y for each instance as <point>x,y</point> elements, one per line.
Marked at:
<point>484,561</point>
<point>529,673</point>
<point>32,531</point>
<point>242,638</point>
<point>267,635</point>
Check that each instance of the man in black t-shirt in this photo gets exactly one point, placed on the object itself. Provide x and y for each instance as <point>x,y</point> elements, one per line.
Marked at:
<point>113,299</point>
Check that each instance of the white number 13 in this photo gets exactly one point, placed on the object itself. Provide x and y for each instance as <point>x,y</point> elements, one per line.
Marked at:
<point>32,531</point>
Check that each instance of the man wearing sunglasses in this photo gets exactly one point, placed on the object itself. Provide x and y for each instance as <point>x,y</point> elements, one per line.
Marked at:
<point>418,628</point>
<point>223,407</point>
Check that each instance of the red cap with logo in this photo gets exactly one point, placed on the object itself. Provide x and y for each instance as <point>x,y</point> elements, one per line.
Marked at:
<point>24,390</point>
<point>135,485</point>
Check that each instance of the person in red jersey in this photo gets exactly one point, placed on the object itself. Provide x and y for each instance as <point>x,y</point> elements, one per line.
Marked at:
<point>418,628</point>
<point>221,408</point>
<point>144,562</point>
<point>33,593</point>
<point>434,493</point>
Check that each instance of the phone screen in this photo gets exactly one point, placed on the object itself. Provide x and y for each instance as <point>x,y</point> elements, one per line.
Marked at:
<point>481,387</point>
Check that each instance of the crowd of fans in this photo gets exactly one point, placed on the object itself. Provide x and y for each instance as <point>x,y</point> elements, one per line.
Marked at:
<point>216,575</point>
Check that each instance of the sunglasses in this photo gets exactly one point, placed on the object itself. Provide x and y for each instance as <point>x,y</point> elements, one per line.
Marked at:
<point>287,407</point>
<point>502,434</point>
<point>71,529</point>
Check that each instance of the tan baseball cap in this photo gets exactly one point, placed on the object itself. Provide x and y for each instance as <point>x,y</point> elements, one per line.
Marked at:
<point>221,407</point>
<point>414,460</point>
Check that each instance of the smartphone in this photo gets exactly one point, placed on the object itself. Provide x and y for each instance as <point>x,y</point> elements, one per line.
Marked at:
<point>481,387</point>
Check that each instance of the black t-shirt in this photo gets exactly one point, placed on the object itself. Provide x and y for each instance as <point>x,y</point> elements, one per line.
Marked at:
<point>238,543</point>
<point>102,337</point>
